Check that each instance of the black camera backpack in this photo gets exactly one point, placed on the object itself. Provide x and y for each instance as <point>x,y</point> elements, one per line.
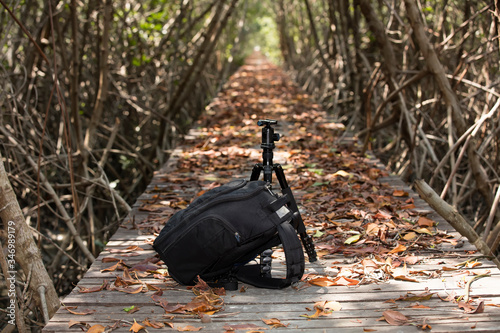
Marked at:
<point>224,229</point>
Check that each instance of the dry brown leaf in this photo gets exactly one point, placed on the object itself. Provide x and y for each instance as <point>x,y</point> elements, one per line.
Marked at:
<point>469,308</point>
<point>322,281</point>
<point>397,249</point>
<point>409,297</point>
<point>129,290</point>
<point>409,236</point>
<point>153,323</point>
<point>74,322</point>
<point>118,266</point>
<point>418,306</point>
<point>400,193</point>
<point>136,327</point>
<point>93,289</point>
<point>411,260</point>
<point>405,278</point>
<point>110,259</point>
<point>395,318</point>
<point>324,308</point>
<point>126,250</point>
<point>96,329</point>
<point>153,287</point>
<point>329,306</point>
<point>344,281</point>
<point>274,322</point>
<point>313,316</point>
<point>425,222</point>
<point>80,313</point>
<point>189,328</point>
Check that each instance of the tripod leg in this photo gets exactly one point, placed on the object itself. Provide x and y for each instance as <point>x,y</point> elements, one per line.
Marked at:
<point>298,223</point>
<point>257,168</point>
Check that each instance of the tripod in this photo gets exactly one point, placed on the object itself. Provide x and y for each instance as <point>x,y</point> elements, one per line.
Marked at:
<point>267,167</point>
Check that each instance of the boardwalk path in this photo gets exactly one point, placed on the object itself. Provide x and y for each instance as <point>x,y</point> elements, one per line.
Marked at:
<point>398,259</point>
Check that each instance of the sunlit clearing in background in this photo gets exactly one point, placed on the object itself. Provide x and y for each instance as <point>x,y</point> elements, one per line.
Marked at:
<point>260,25</point>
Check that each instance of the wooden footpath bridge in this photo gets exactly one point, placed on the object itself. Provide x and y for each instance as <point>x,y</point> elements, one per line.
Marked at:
<point>388,263</point>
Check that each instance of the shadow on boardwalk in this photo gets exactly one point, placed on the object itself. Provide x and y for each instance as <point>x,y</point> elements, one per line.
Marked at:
<point>386,258</point>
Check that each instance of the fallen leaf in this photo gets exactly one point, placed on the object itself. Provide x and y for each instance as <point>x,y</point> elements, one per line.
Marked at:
<point>96,329</point>
<point>329,306</point>
<point>126,250</point>
<point>129,290</point>
<point>321,281</point>
<point>424,326</point>
<point>152,323</point>
<point>395,318</point>
<point>93,289</point>
<point>74,322</point>
<point>382,215</point>
<point>405,278</point>
<point>397,249</point>
<point>189,328</point>
<point>342,173</point>
<point>344,281</point>
<point>318,234</point>
<point>313,316</point>
<point>118,266</point>
<point>472,264</point>
<point>409,297</point>
<point>423,231</point>
<point>110,259</point>
<point>274,322</point>
<point>201,284</point>
<point>153,288</point>
<point>409,236</point>
<point>136,327</point>
<point>418,306</point>
<point>400,193</point>
<point>131,309</point>
<point>425,222</point>
<point>352,239</point>
<point>80,313</point>
<point>469,308</point>
<point>411,260</point>
<point>324,308</point>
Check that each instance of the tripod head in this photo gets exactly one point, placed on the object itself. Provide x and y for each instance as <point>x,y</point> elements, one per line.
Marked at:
<point>268,135</point>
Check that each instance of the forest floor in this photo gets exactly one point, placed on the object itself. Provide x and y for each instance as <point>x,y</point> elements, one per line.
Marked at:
<point>385,258</point>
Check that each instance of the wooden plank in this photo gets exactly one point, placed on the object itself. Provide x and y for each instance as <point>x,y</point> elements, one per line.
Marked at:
<point>362,306</point>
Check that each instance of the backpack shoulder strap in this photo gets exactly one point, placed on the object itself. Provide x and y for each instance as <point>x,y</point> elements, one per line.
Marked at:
<point>294,257</point>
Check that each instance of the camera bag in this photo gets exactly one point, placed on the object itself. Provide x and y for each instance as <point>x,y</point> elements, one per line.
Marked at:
<point>222,231</point>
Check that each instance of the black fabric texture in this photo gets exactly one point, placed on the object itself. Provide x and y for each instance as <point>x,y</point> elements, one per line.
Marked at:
<point>225,228</point>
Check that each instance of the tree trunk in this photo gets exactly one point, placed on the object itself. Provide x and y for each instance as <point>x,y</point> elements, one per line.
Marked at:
<point>451,215</point>
<point>200,60</point>
<point>436,68</point>
<point>102,93</point>
<point>377,28</point>
<point>27,254</point>
<point>319,47</point>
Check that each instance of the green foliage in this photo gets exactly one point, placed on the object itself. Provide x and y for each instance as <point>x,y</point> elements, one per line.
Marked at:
<point>261,29</point>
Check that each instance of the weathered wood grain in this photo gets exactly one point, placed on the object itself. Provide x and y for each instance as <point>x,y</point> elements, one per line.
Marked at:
<point>362,306</point>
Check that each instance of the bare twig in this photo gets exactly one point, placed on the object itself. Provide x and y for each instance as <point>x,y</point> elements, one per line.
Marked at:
<point>451,215</point>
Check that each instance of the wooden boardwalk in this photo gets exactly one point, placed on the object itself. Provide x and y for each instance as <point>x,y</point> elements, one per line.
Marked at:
<point>386,276</point>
